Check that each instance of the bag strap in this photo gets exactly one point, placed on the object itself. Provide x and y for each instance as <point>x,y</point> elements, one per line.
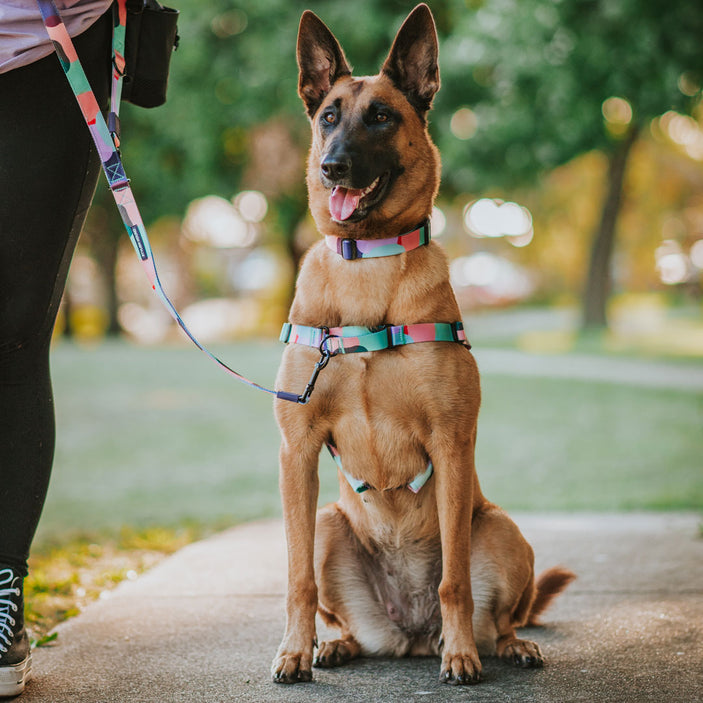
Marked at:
<point>108,151</point>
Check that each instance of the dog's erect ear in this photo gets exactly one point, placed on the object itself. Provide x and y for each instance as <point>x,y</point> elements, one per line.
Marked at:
<point>320,59</point>
<point>412,61</point>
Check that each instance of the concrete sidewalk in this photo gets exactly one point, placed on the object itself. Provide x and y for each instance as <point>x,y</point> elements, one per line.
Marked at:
<point>205,624</point>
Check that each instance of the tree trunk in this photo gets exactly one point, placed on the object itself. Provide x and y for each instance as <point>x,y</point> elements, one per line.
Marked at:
<point>110,272</point>
<point>292,210</point>
<point>104,245</point>
<point>599,281</point>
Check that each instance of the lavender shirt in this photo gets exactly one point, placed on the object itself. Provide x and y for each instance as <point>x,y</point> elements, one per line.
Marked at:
<point>23,37</point>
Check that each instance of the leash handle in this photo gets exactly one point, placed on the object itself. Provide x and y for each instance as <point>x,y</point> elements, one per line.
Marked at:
<point>106,139</point>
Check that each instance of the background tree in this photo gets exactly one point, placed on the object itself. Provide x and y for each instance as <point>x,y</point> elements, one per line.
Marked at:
<point>549,80</point>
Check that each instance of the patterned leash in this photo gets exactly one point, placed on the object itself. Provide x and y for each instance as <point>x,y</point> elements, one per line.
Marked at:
<point>106,138</point>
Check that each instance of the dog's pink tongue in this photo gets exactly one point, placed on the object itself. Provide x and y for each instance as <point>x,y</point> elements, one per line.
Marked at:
<point>343,202</point>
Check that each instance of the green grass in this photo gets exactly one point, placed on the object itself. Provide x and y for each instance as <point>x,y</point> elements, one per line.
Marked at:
<point>548,444</point>
<point>162,437</point>
<point>66,576</point>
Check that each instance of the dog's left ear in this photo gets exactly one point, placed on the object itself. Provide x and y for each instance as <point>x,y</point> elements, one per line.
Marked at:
<point>321,61</point>
<point>412,61</point>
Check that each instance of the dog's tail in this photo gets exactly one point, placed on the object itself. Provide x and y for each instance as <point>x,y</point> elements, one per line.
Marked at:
<point>549,585</point>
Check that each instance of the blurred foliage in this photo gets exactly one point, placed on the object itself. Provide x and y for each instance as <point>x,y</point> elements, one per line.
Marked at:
<point>536,74</point>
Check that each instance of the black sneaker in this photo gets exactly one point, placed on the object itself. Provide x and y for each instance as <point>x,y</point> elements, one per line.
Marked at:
<point>15,656</point>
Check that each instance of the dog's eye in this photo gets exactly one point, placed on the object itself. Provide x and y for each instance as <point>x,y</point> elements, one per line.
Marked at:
<point>381,117</point>
<point>330,117</point>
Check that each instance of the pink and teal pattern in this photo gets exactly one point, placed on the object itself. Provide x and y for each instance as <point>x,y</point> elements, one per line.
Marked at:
<point>84,95</point>
<point>350,339</point>
<point>350,249</point>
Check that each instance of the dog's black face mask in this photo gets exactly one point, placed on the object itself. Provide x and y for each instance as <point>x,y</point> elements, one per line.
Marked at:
<point>358,163</point>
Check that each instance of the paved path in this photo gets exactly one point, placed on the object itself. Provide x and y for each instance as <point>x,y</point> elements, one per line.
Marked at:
<point>205,623</point>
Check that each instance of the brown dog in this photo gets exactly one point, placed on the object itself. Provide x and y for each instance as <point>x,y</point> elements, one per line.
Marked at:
<point>398,572</point>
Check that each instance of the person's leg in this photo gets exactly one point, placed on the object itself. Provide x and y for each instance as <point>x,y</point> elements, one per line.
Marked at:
<point>48,172</point>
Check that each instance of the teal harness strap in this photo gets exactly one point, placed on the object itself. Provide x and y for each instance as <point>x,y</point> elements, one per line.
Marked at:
<point>359,486</point>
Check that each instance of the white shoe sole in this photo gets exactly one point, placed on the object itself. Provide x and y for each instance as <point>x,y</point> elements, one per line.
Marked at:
<point>13,678</point>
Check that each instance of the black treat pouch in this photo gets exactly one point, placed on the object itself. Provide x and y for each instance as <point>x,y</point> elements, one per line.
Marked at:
<point>151,35</point>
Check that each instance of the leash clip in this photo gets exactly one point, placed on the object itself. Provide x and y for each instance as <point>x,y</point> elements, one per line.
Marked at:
<point>325,356</point>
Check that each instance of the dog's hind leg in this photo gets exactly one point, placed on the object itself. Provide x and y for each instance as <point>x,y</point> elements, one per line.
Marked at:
<point>506,559</point>
<point>348,597</point>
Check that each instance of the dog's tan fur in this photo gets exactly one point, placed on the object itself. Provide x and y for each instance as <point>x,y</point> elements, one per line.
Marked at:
<point>440,571</point>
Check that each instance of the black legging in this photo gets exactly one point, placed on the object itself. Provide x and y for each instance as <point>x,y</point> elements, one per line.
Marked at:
<point>48,172</point>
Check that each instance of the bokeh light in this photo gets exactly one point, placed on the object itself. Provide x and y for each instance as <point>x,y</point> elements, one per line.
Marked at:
<point>464,123</point>
<point>683,131</point>
<point>696,254</point>
<point>495,218</point>
<point>617,111</point>
<point>438,222</point>
<point>495,279</point>
<point>671,262</point>
<point>251,204</point>
<point>215,221</point>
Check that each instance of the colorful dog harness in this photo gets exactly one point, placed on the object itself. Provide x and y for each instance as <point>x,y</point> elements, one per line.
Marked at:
<point>348,340</point>
<point>352,339</point>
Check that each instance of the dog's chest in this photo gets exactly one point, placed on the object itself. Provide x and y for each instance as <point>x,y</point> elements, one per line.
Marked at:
<point>405,580</point>
<point>377,421</point>
<point>364,291</point>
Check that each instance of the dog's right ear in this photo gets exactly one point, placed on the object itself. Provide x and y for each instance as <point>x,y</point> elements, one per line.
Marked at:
<point>320,59</point>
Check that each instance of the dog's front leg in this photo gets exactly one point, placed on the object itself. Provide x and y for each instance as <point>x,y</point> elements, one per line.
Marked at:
<point>456,489</point>
<point>299,489</point>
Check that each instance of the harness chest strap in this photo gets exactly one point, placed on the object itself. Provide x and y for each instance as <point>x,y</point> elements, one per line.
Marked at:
<point>352,339</point>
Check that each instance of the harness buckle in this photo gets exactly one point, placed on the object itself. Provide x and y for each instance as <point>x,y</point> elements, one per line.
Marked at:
<point>389,336</point>
<point>388,329</point>
<point>457,327</point>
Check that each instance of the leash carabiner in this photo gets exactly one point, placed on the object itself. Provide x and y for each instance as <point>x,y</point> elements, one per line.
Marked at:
<point>324,360</point>
<point>325,356</point>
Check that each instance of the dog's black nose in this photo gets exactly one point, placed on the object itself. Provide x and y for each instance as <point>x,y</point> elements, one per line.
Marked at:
<point>336,167</point>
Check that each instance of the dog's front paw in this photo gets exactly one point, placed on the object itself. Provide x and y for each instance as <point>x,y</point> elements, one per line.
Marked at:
<point>291,668</point>
<point>522,653</point>
<point>460,669</point>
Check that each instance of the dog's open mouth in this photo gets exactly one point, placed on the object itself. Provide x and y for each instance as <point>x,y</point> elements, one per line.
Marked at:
<point>349,203</point>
